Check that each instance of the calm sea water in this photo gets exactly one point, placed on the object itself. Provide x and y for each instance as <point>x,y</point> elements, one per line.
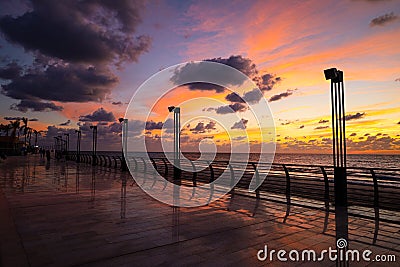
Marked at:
<point>364,160</point>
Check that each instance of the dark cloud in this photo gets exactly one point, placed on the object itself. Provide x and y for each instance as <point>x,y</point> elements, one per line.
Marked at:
<point>353,134</point>
<point>202,128</point>
<point>108,136</point>
<point>383,20</point>
<point>398,122</point>
<point>67,123</point>
<point>75,45</point>
<point>234,97</point>
<point>281,95</point>
<point>11,71</point>
<point>286,123</point>
<point>397,80</point>
<point>321,127</point>
<point>242,124</point>
<point>301,127</point>
<point>238,62</point>
<point>267,81</point>
<point>240,138</point>
<point>151,125</point>
<point>356,116</point>
<point>253,97</point>
<point>250,97</point>
<point>196,71</point>
<point>236,107</point>
<point>167,125</point>
<point>62,82</point>
<point>323,121</point>
<point>119,103</point>
<point>208,109</point>
<point>206,87</point>
<point>79,31</point>
<point>98,115</point>
<point>33,105</point>
<point>34,119</point>
<point>116,127</point>
<point>12,118</point>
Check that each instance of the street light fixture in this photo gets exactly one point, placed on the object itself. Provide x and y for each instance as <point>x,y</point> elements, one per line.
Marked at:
<point>124,123</point>
<point>177,139</point>
<point>339,151</point>
<point>94,144</point>
<point>78,146</point>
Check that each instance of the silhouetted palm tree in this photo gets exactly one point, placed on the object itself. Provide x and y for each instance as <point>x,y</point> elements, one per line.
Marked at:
<point>29,135</point>
<point>5,128</point>
<point>14,125</point>
<point>36,133</point>
<point>25,127</point>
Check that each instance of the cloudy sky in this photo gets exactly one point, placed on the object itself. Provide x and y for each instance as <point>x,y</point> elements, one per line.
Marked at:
<point>71,64</point>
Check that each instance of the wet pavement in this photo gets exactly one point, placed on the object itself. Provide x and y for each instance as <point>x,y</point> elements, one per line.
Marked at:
<point>68,214</point>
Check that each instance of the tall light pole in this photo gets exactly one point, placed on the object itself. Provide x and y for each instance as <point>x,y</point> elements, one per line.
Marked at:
<point>177,139</point>
<point>61,143</point>
<point>56,146</point>
<point>339,155</point>
<point>78,146</point>
<point>67,144</point>
<point>94,144</point>
<point>124,123</point>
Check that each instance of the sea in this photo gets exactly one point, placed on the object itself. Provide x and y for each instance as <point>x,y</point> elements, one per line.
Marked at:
<point>353,160</point>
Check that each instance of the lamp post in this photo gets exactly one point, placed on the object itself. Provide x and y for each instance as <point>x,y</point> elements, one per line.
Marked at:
<point>56,146</point>
<point>338,134</point>
<point>60,140</point>
<point>339,154</point>
<point>124,123</point>
<point>177,139</point>
<point>78,146</point>
<point>94,144</point>
<point>67,145</point>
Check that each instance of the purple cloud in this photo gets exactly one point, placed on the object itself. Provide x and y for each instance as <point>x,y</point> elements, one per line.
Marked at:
<point>98,115</point>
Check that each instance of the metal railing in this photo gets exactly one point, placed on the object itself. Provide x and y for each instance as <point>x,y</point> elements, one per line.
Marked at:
<point>367,187</point>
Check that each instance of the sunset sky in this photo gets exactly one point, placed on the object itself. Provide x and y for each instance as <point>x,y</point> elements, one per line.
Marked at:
<point>71,64</point>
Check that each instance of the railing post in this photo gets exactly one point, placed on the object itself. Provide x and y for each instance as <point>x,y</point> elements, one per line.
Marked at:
<point>165,168</point>
<point>154,165</point>
<point>326,183</point>
<point>257,189</point>
<point>232,172</point>
<point>109,161</point>
<point>257,179</point>
<point>376,192</point>
<point>144,166</point>
<point>287,183</point>
<point>376,205</point>
<point>194,177</point>
<point>212,177</point>
<point>136,164</point>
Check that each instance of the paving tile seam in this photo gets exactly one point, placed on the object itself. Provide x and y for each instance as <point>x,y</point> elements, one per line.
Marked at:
<point>177,242</point>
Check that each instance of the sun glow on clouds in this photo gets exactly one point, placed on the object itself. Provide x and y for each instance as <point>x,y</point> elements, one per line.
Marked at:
<point>295,40</point>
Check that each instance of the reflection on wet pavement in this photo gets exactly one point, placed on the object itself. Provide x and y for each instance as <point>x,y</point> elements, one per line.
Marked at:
<point>66,214</point>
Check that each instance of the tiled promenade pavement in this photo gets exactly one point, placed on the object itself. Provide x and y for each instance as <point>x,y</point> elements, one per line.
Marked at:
<point>61,214</point>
